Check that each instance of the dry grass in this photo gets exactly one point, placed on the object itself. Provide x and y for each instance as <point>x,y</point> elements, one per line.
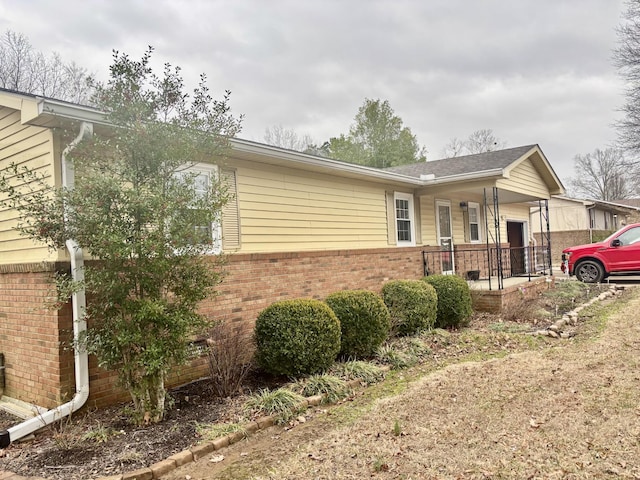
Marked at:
<point>568,412</point>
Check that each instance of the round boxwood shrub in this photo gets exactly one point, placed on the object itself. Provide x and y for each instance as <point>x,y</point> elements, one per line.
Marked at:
<point>364,321</point>
<point>297,337</point>
<point>411,305</point>
<point>454,300</point>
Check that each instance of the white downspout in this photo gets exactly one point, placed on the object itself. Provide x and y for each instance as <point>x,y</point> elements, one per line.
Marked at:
<point>78,300</point>
<point>589,208</point>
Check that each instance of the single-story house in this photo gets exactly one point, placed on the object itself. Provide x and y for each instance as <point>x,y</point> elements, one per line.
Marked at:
<point>574,221</point>
<point>298,226</point>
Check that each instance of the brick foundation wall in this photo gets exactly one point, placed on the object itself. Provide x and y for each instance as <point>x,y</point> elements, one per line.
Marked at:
<point>34,340</point>
<point>495,301</point>
<point>568,238</point>
<point>253,282</point>
<point>40,366</point>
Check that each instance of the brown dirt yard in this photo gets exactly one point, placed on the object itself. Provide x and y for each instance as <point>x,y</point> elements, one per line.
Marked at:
<point>566,412</point>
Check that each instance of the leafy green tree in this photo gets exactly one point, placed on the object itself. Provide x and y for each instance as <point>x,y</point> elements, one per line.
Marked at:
<point>377,139</point>
<point>145,219</point>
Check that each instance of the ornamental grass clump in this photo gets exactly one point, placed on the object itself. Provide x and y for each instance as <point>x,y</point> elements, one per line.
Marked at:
<point>412,305</point>
<point>332,388</point>
<point>282,403</point>
<point>364,321</point>
<point>366,372</point>
<point>396,358</point>
<point>297,337</point>
<point>454,307</point>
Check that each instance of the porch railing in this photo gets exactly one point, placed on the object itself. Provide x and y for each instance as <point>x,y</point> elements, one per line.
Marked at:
<point>489,262</point>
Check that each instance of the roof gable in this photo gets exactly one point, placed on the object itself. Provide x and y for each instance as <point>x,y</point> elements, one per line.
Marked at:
<point>464,165</point>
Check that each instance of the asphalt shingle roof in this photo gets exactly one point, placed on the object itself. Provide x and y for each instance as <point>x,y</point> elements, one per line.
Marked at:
<point>464,165</point>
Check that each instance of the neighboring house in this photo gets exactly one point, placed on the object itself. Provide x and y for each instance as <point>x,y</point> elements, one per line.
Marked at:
<point>298,226</point>
<point>574,221</point>
<point>634,203</point>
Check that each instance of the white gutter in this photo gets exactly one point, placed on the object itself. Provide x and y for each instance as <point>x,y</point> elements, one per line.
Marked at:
<point>327,164</point>
<point>78,300</point>
<point>461,177</point>
<point>358,171</point>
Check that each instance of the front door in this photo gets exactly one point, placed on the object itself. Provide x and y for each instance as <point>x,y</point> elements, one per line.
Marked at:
<point>515,237</point>
<point>445,236</point>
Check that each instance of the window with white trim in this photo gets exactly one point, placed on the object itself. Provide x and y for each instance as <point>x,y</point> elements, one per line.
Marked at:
<point>473,212</point>
<point>203,177</point>
<point>405,223</point>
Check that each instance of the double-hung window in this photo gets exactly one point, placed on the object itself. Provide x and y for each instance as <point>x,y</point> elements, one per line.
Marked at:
<point>203,176</point>
<point>404,216</point>
<point>474,222</point>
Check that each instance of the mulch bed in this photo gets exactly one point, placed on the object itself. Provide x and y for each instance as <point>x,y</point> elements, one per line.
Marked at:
<point>103,442</point>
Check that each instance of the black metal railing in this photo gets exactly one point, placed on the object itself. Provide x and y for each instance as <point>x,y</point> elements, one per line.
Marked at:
<point>489,263</point>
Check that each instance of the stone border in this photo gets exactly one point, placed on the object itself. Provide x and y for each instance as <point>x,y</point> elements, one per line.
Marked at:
<point>556,330</point>
<point>199,451</point>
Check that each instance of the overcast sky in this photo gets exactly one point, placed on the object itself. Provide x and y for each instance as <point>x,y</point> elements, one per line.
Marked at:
<point>534,71</point>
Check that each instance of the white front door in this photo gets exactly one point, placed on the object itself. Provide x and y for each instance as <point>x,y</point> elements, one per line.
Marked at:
<point>445,236</point>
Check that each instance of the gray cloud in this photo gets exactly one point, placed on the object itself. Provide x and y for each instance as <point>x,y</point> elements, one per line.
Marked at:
<point>533,71</point>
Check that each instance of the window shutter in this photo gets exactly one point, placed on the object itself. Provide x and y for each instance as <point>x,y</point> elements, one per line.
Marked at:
<point>391,219</point>
<point>230,212</point>
<point>418,223</point>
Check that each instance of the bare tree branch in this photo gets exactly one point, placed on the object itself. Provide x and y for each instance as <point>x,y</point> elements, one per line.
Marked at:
<point>604,175</point>
<point>454,148</point>
<point>25,70</point>
<point>480,141</point>
<point>278,136</point>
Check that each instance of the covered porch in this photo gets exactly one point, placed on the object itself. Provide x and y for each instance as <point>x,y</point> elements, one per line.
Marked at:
<point>507,265</point>
<point>504,247</point>
<point>475,217</point>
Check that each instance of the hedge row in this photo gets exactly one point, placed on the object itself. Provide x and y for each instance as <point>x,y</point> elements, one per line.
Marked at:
<point>303,336</point>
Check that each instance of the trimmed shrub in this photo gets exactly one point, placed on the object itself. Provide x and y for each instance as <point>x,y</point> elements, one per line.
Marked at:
<point>364,321</point>
<point>297,337</point>
<point>412,306</point>
<point>454,300</point>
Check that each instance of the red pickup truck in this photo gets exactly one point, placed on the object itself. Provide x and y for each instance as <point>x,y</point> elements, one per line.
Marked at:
<point>619,253</point>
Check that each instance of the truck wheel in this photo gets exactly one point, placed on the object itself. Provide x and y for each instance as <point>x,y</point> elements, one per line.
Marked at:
<point>589,271</point>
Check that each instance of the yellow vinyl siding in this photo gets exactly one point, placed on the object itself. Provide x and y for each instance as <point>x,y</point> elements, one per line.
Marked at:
<point>32,147</point>
<point>287,210</point>
<point>518,212</point>
<point>428,210</point>
<point>524,178</point>
<point>515,211</point>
